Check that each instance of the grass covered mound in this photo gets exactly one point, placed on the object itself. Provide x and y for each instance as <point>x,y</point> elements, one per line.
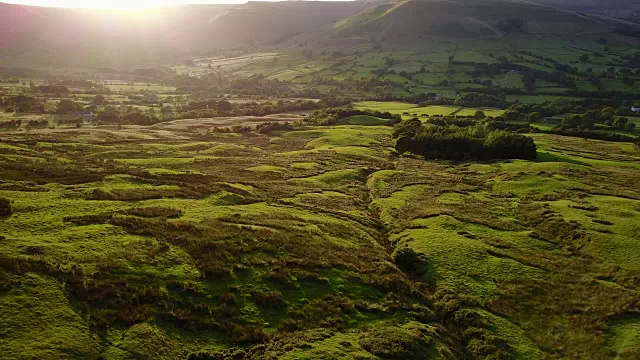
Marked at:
<point>461,141</point>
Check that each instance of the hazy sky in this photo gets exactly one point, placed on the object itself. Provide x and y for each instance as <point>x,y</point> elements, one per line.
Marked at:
<point>118,4</point>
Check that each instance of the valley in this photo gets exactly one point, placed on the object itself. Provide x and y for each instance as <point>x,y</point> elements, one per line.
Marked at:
<point>296,180</point>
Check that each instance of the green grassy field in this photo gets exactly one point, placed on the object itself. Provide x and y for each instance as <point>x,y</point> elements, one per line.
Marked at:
<point>317,242</point>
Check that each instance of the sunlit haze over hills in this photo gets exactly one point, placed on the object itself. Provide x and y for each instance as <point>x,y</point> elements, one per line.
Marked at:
<point>120,4</point>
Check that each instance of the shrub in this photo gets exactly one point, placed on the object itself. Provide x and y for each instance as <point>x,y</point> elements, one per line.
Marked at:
<point>409,261</point>
<point>153,212</point>
<point>99,194</point>
<point>245,335</point>
<point>395,343</point>
<point>269,299</point>
<point>5,207</point>
<point>271,126</point>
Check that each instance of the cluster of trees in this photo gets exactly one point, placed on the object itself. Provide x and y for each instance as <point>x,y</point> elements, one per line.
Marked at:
<point>332,116</point>
<point>13,124</point>
<point>544,110</point>
<point>474,99</point>
<point>593,134</point>
<point>586,115</point>
<point>559,76</point>
<point>126,115</point>
<point>63,107</point>
<point>455,140</point>
<point>217,108</point>
<point>256,85</point>
<point>588,122</point>
<point>31,104</point>
<point>259,85</point>
<point>271,126</point>
<point>53,89</point>
<point>23,103</point>
<point>37,124</point>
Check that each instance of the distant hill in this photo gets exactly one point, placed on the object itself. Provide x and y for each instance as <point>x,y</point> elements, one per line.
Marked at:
<point>52,36</point>
<point>49,37</point>
<point>466,18</point>
<point>628,10</point>
<point>257,23</point>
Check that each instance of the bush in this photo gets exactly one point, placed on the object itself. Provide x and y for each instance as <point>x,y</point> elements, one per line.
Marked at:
<point>409,261</point>
<point>395,343</point>
<point>271,126</point>
<point>99,194</point>
<point>5,207</point>
<point>272,299</point>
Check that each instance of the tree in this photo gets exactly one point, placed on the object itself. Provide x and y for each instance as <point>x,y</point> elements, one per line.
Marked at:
<point>98,100</point>
<point>529,82</point>
<point>50,107</point>
<point>110,115</point>
<point>535,117</point>
<point>621,123</point>
<point>630,127</point>
<point>572,121</point>
<point>628,81</point>
<point>66,106</point>
<point>588,123</point>
<point>584,58</point>
<point>607,113</point>
<point>479,114</point>
<point>389,62</point>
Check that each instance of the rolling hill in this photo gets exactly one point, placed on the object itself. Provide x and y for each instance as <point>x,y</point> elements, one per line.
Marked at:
<point>40,36</point>
<point>259,23</point>
<point>457,19</point>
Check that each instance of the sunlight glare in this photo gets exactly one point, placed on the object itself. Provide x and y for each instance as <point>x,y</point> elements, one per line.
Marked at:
<point>120,5</point>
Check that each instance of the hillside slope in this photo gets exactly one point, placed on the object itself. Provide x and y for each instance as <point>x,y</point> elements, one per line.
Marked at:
<point>456,18</point>
<point>628,10</point>
<point>257,23</point>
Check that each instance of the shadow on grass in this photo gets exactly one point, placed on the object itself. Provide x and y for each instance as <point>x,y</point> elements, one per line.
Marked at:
<point>550,157</point>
